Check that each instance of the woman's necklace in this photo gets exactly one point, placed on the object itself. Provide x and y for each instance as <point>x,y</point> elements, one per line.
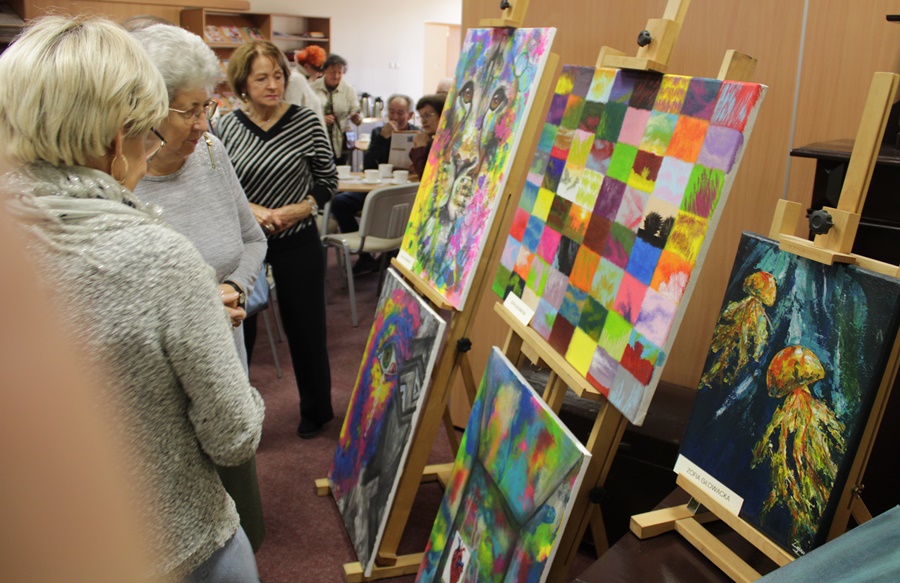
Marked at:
<point>267,121</point>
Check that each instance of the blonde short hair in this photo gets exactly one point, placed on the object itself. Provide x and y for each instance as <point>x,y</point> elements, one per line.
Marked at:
<point>68,85</point>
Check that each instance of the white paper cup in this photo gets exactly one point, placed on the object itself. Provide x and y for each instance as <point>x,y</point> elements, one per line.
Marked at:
<point>385,170</point>
<point>401,176</point>
<point>371,175</point>
<point>343,171</point>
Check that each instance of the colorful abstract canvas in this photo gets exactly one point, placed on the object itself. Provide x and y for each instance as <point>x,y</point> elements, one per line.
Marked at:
<point>384,408</point>
<point>511,489</point>
<point>497,77</point>
<point>795,361</point>
<point>625,190</point>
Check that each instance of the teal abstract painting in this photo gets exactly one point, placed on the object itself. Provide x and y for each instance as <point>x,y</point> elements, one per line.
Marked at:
<point>511,490</point>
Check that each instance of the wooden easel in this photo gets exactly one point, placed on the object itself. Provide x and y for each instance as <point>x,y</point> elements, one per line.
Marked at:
<point>830,248</point>
<point>454,356</point>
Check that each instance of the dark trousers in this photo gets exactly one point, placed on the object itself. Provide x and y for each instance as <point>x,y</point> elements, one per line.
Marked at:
<point>298,268</point>
<point>344,208</point>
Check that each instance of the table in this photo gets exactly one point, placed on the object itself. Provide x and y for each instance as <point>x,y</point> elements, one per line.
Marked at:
<point>356,183</point>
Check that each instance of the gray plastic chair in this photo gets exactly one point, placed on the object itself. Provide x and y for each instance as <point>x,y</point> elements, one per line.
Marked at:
<point>385,215</point>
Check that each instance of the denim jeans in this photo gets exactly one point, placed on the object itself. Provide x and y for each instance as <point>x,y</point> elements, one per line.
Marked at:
<point>233,563</point>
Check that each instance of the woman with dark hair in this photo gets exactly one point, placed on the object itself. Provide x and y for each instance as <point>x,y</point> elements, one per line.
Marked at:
<point>430,108</point>
<point>340,104</point>
<point>281,156</point>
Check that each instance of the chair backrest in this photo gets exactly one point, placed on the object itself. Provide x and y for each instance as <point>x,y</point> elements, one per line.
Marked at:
<point>386,211</point>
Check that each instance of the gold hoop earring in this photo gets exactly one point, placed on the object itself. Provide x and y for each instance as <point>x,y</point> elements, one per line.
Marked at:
<point>112,171</point>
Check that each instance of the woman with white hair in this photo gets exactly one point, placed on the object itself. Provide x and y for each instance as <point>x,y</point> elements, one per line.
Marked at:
<point>193,182</point>
<point>81,129</point>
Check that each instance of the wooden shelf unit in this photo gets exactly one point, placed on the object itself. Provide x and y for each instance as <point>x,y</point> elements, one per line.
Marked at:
<point>288,32</point>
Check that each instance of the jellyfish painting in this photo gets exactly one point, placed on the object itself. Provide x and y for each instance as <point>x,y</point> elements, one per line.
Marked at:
<point>800,441</point>
<point>742,330</point>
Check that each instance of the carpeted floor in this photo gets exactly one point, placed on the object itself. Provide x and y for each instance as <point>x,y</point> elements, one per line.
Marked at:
<point>305,538</point>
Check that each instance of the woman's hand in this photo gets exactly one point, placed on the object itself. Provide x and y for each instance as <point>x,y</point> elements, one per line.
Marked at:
<point>230,300</point>
<point>329,119</point>
<point>289,215</point>
<point>356,118</point>
<point>264,216</point>
<point>420,140</point>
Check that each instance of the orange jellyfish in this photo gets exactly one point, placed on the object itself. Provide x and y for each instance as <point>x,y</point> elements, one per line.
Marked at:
<point>743,329</point>
<point>800,441</point>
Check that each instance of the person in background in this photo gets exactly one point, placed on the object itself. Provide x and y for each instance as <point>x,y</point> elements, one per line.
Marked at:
<point>340,104</point>
<point>145,304</point>
<point>192,181</point>
<point>444,85</point>
<point>282,158</point>
<point>400,110</point>
<point>141,21</point>
<point>430,108</point>
<point>298,91</point>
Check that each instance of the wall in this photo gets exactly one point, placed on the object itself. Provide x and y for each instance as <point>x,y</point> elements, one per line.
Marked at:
<point>846,41</point>
<point>371,36</point>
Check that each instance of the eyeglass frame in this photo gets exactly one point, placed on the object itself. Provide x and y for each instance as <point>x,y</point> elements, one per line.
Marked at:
<point>208,107</point>
<point>162,144</point>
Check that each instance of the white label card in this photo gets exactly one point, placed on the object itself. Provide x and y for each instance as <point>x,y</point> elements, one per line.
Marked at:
<point>724,495</point>
<point>520,309</point>
<point>405,259</point>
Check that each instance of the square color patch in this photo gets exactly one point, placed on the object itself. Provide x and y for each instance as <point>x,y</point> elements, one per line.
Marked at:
<point>670,98</point>
<point>563,142</point>
<point>630,297</point>
<point>623,86</point>
<point>658,221</point>
<point>640,358</point>
<point>581,351</point>
<point>688,139</point>
<point>603,371</point>
<point>643,260</point>
<point>619,244</point>
<point>609,199</point>
<point>561,334</point>
<point>558,103</point>
<point>657,315</point>
<point>559,212</point>
<point>601,153</point>
<point>555,167</point>
<point>736,101</point>
<point>548,138</point>
<point>500,285</point>
<point>523,262</point>
<point>544,317</point>
<point>621,162</point>
<point>533,231</point>
<point>590,116</point>
<point>631,211</point>
<point>520,222</point>
<point>720,148</point>
<point>586,262</point>
<point>593,315</point>
<point>615,335</point>
<point>549,245</point>
<point>510,252</point>
<point>597,233</point>
<point>555,289</point>
<point>605,286</point>
<point>645,170</point>
<point>700,100</point>
<point>659,132</point>
<point>643,94</point>
<point>569,184</point>
<point>611,122</point>
<point>687,236</point>
<point>573,302</point>
<point>671,276</point>
<point>529,196</point>
<point>703,191</point>
<point>573,112</point>
<point>580,150</point>
<point>565,255</point>
<point>577,223</point>
<point>633,127</point>
<point>589,188</point>
<point>601,85</point>
<point>537,276</point>
<point>542,204</point>
<point>672,180</point>
<point>538,167</point>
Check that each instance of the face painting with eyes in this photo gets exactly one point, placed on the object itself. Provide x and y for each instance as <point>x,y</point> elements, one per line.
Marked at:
<point>474,147</point>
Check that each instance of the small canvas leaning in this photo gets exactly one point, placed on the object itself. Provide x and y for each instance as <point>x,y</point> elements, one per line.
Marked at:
<point>384,409</point>
<point>796,360</point>
<point>511,490</point>
<point>623,196</point>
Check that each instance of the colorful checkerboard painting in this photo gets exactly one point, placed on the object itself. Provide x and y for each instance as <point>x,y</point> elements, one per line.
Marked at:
<point>630,176</point>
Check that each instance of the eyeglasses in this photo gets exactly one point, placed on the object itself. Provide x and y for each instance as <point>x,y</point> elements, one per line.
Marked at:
<point>428,115</point>
<point>192,115</point>
<point>153,143</point>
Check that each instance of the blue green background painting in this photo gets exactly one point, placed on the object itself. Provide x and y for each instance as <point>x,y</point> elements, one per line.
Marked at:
<point>796,359</point>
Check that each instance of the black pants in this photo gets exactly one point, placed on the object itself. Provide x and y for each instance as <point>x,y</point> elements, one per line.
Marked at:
<point>298,267</point>
<point>344,208</point>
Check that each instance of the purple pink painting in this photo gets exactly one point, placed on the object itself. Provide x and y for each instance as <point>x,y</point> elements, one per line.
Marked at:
<point>623,194</point>
<point>498,74</point>
<point>511,489</point>
<point>384,408</point>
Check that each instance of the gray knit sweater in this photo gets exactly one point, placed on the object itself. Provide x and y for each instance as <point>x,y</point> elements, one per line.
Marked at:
<point>146,306</point>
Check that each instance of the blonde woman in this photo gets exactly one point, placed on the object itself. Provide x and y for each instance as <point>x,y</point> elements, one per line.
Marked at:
<point>81,130</point>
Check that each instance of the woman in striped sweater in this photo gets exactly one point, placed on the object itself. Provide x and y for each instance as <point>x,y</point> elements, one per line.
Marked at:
<point>283,160</point>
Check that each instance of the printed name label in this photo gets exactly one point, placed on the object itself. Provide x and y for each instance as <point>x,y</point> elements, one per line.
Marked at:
<point>519,309</point>
<point>405,259</point>
<point>727,498</point>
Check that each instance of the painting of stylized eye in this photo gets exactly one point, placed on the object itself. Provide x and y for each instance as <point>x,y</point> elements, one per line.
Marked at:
<point>498,99</point>
<point>388,360</point>
<point>467,92</point>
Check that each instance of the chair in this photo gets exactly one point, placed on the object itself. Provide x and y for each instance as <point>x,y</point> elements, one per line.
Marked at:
<point>385,214</point>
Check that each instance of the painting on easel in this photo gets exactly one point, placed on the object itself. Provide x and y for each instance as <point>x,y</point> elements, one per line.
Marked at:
<point>384,407</point>
<point>624,193</point>
<point>497,76</point>
<point>511,489</point>
<point>796,359</point>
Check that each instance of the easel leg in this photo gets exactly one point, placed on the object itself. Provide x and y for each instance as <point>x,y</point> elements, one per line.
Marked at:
<point>451,433</point>
<point>598,531</point>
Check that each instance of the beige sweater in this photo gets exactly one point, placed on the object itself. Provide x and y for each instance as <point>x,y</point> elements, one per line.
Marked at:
<point>147,307</point>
